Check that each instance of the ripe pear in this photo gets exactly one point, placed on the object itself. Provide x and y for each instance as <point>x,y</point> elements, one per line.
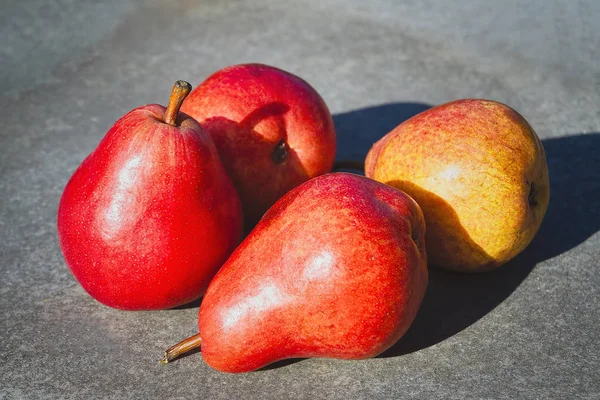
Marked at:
<point>150,215</point>
<point>272,129</point>
<point>336,268</point>
<point>478,170</point>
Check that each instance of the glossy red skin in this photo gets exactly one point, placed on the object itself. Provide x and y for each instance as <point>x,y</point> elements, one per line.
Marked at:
<point>248,109</point>
<point>336,268</point>
<point>150,216</point>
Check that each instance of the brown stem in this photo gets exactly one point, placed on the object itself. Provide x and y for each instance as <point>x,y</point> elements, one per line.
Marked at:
<point>349,164</point>
<point>180,91</point>
<point>181,348</point>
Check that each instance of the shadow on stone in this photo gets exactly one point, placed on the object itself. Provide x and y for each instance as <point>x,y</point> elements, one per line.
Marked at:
<point>358,130</point>
<point>191,304</point>
<point>281,364</point>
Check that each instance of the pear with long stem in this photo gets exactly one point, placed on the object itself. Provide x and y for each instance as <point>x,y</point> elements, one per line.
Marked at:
<point>336,268</point>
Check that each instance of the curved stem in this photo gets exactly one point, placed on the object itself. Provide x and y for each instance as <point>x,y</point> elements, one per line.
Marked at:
<point>349,164</point>
<point>181,348</point>
<point>180,91</point>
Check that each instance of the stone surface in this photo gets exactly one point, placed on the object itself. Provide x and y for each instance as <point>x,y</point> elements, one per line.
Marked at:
<point>71,68</point>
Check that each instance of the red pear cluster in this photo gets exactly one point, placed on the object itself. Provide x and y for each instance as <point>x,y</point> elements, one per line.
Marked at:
<point>334,264</point>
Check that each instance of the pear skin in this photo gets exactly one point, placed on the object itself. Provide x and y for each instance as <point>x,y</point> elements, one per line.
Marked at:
<point>272,129</point>
<point>336,268</point>
<point>478,170</point>
<point>148,218</point>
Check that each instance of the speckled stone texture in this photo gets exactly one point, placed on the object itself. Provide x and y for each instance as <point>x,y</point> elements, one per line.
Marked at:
<point>70,68</point>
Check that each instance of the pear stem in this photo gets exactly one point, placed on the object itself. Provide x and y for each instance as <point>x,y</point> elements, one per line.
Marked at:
<point>181,348</point>
<point>180,91</point>
<point>349,164</point>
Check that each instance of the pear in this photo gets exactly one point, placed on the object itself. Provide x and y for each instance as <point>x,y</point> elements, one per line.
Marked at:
<point>336,268</point>
<point>150,215</point>
<point>272,129</point>
<point>478,170</point>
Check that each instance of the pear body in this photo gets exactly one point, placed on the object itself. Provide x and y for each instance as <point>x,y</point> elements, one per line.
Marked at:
<point>272,129</point>
<point>478,170</point>
<point>150,215</point>
<point>336,268</point>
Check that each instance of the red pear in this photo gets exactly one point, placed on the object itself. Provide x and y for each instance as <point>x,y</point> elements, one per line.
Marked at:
<point>150,215</point>
<point>336,268</point>
<point>272,129</point>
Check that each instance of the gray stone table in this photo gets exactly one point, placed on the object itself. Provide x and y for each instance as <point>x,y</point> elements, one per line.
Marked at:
<point>69,69</point>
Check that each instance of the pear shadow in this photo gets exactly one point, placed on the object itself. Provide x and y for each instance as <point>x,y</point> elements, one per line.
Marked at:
<point>358,130</point>
<point>455,301</point>
<point>192,304</point>
<point>237,158</point>
<point>281,364</point>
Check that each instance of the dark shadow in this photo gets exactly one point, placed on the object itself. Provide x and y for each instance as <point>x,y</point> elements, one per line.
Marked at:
<point>191,304</point>
<point>455,301</point>
<point>574,211</point>
<point>358,130</point>
<point>281,364</point>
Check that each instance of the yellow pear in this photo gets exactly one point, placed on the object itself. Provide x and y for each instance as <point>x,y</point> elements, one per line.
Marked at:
<point>478,170</point>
